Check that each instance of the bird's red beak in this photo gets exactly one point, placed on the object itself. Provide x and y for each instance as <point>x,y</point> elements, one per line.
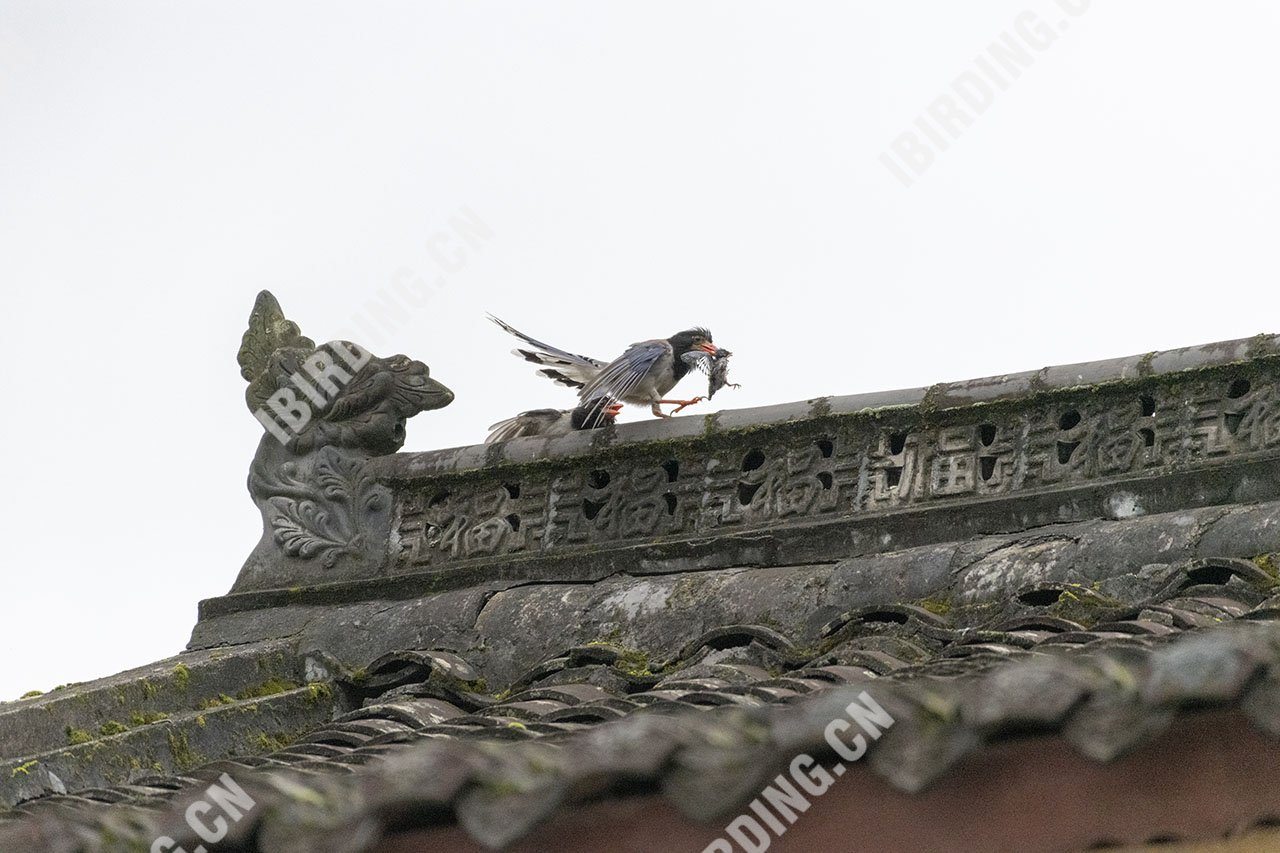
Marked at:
<point>709,348</point>
<point>615,409</point>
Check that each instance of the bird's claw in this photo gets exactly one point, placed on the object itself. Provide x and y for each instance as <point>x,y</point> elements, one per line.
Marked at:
<point>683,404</point>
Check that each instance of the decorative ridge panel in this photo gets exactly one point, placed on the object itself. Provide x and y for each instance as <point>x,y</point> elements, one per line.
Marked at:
<point>839,466</point>
<point>346,518</point>
<point>825,487</point>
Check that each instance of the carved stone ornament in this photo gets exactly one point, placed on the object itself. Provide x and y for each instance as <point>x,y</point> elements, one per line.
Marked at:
<point>325,411</point>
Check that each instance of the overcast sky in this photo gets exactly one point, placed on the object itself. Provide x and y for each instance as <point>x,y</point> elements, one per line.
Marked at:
<point>852,196</point>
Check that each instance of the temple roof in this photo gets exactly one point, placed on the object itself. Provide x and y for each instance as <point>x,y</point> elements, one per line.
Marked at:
<point>1070,570</point>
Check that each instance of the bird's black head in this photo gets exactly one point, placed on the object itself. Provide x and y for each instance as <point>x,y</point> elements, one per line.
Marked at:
<point>691,340</point>
<point>595,413</point>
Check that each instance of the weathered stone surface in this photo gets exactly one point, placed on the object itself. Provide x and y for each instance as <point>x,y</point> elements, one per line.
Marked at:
<point>660,615</point>
<point>1243,531</point>
<point>1104,550</point>
<point>169,746</point>
<point>1016,565</point>
<point>164,718</point>
<point>910,575</point>
<point>326,411</point>
<point>1010,553</point>
<point>175,684</point>
<point>508,627</point>
<point>358,633</point>
<point>529,624</point>
<point>1093,453</point>
<point>807,482</point>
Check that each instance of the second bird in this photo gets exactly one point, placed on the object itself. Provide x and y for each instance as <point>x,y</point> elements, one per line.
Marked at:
<point>641,376</point>
<point>554,422</point>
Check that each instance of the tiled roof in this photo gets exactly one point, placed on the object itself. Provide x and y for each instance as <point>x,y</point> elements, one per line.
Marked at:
<point>538,643</point>
<point>720,718</point>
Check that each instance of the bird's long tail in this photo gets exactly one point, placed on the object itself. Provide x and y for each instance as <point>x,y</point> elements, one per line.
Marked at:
<point>561,366</point>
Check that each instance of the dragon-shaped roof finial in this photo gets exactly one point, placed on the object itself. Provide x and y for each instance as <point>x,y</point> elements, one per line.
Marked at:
<point>327,410</point>
<point>335,394</point>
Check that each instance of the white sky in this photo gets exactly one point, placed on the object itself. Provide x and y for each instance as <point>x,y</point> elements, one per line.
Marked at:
<point>643,167</point>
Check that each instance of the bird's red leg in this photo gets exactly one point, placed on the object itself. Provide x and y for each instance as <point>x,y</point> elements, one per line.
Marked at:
<point>680,404</point>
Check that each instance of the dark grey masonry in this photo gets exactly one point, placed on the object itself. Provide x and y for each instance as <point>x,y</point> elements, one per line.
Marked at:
<point>814,483</point>
<point>841,535</point>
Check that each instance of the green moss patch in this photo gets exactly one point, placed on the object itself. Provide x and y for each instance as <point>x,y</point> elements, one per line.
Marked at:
<point>181,678</point>
<point>77,736</point>
<point>215,701</point>
<point>317,692</point>
<point>270,687</point>
<point>140,718</point>
<point>938,605</point>
<point>184,757</point>
<point>273,742</point>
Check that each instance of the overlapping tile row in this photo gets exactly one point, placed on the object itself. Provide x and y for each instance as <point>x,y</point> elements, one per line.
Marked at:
<point>1105,669</point>
<point>839,466</point>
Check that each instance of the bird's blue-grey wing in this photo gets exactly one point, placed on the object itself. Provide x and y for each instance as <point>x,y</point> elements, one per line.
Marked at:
<point>561,366</point>
<point>625,372</point>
